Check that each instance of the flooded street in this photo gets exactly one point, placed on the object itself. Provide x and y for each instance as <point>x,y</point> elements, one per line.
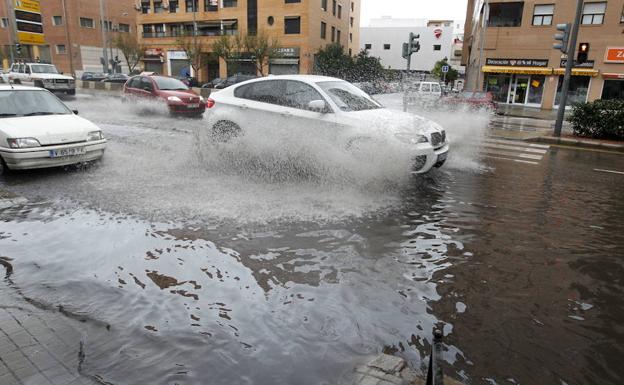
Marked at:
<point>187,265</point>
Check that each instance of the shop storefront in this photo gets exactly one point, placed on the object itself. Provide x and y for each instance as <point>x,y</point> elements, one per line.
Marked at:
<point>287,63</point>
<point>153,60</point>
<point>516,81</point>
<point>613,87</point>
<point>178,64</point>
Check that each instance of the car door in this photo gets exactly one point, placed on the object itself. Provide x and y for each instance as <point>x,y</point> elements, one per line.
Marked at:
<point>296,110</point>
<point>258,105</point>
<point>146,89</point>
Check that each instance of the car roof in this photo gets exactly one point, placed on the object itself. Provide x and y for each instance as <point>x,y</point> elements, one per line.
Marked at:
<point>8,87</point>
<point>302,78</point>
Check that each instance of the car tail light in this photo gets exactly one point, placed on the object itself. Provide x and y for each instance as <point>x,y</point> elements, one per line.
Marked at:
<point>210,103</point>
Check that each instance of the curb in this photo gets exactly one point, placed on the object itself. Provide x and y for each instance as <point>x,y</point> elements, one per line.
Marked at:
<point>577,143</point>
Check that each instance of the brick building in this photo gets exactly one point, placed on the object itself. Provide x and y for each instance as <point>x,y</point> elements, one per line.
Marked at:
<point>301,27</point>
<point>73,33</point>
<point>519,65</point>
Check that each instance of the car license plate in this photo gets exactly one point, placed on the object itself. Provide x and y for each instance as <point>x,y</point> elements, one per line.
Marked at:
<point>442,156</point>
<point>73,151</point>
<point>196,105</point>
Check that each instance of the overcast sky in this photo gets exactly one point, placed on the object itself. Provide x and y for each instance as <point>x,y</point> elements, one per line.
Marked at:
<point>413,9</point>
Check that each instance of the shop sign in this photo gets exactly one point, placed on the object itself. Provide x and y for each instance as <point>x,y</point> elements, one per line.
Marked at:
<point>177,55</point>
<point>437,33</point>
<point>288,52</point>
<point>517,62</point>
<point>153,52</point>
<point>614,55</point>
<point>28,22</point>
<point>587,64</point>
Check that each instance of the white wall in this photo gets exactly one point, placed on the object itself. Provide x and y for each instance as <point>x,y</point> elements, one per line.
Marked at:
<point>91,59</point>
<point>424,60</point>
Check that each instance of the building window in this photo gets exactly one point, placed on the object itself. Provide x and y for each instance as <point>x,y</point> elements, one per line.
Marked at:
<point>147,29</point>
<point>338,36</point>
<point>124,27</point>
<point>333,35</point>
<point>230,27</point>
<point>211,5</point>
<point>334,4</point>
<point>593,13</point>
<point>339,11</point>
<point>60,49</point>
<point>579,85</point>
<point>4,22</point>
<point>57,20</point>
<point>107,24</point>
<point>292,1</point>
<point>174,6</point>
<point>350,52</point>
<point>191,5</point>
<point>324,5</point>
<point>158,7</point>
<point>622,16</point>
<point>145,6</point>
<point>506,14</point>
<point>437,47</point>
<point>543,14</point>
<point>85,22</point>
<point>292,25</point>
<point>230,3</point>
<point>323,30</point>
<point>368,46</point>
<point>350,37</point>
<point>386,46</point>
<point>352,7</point>
<point>351,21</point>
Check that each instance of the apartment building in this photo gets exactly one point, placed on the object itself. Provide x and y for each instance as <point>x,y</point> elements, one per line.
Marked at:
<point>73,33</point>
<point>510,52</point>
<point>300,26</point>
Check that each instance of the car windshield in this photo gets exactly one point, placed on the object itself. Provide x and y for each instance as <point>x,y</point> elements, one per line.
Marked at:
<point>466,95</point>
<point>43,69</point>
<point>169,83</point>
<point>29,103</point>
<point>348,97</point>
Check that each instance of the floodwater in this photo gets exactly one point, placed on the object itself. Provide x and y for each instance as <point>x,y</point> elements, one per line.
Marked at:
<point>189,273</point>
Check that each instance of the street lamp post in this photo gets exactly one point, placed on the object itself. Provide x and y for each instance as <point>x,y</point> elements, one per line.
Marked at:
<point>67,37</point>
<point>486,17</point>
<point>104,39</point>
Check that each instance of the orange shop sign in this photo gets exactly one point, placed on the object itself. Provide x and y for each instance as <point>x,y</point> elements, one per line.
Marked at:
<point>614,55</point>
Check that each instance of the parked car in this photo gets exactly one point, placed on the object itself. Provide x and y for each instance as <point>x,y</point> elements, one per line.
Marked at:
<point>180,100</point>
<point>316,102</point>
<point>116,78</point>
<point>234,79</point>
<point>213,83</point>
<point>93,76</point>
<point>472,100</point>
<point>422,93</point>
<point>37,130</point>
<point>189,81</point>
<point>43,76</point>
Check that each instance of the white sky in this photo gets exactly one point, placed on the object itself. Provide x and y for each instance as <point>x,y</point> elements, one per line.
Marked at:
<point>413,9</point>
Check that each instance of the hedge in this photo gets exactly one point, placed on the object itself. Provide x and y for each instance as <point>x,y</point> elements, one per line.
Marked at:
<point>601,119</point>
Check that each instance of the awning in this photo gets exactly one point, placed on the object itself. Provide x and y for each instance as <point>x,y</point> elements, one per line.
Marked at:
<point>577,71</point>
<point>284,61</point>
<point>518,70</point>
<point>611,75</point>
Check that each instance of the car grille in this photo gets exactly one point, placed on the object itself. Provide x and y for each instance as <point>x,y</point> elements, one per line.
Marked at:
<point>191,100</point>
<point>438,139</point>
<point>61,81</point>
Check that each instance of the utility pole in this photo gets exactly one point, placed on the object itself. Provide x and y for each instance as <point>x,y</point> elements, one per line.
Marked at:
<point>104,39</point>
<point>68,38</point>
<point>486,19</point>
<point>568,71</point>
<point>12,27</point>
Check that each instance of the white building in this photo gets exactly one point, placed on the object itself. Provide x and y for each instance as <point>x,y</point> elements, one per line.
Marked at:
<point>384,39</point>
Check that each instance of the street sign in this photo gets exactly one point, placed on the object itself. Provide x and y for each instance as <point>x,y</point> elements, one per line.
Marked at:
<point>28,22</point>
<point>445,69</point>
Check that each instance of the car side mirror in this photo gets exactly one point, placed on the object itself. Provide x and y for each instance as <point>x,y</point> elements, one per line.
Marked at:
<point>318,106</point>
<point>75,112</point>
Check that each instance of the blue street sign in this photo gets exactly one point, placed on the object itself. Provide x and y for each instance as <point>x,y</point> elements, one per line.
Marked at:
<point>445,69</point>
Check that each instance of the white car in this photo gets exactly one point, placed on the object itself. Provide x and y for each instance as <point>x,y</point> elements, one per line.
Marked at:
<point>423,92</point>
<point>301,101</point>
<point>37,130</point>
<point>43,76</point>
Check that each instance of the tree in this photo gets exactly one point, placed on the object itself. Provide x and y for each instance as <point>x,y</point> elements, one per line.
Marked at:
<point>451,75</point>
<point>128,44</point>
<point>194,49</point>
<point>367,68</point>
<point>262,49</point>
<point>229,48</point>
<point>333,61</point>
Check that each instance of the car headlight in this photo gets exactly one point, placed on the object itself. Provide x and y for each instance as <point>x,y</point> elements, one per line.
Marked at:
<point>72,81</point>
<point>94,135</point>
<point>48,81</point>
<point>23,142</point>
<point>408,138</point>
<point>174,99</point>
<point>201,98</point>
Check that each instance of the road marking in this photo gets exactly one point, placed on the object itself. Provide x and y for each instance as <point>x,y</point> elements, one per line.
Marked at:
<point>518,142</point>
<point>516,148</point>
<point>514,154</point>
<point>611,171</point>
<point>513,160</point>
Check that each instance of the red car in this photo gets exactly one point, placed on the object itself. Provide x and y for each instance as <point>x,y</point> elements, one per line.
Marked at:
<point>180,99</point>
<point>472,99</point>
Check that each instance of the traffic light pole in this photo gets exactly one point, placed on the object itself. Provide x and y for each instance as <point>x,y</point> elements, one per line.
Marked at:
<point>568,71</point>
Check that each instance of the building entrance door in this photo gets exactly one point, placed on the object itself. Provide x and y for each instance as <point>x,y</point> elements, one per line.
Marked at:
<point>519,88</point>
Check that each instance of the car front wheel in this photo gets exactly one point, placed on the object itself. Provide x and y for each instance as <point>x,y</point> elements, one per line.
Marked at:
<point>224,131</point>
<point>3,167</point>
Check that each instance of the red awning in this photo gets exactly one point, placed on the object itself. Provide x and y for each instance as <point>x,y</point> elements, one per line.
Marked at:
<point>611,75</point>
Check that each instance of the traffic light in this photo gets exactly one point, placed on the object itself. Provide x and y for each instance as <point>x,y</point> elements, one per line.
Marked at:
<point>583,50</point>
<point>405,53</point>
<point>413,45</point>
<point>18,48</point>
<point>562,37</point>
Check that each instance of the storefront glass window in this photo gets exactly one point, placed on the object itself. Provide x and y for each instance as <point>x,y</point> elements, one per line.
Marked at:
<point>613,89</point>
<point>536,89</point>
<point>498,85</point>
<point>579,85</point>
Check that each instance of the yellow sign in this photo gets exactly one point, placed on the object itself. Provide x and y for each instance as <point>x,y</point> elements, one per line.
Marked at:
<point>30,38</point>
<point>28,6</point>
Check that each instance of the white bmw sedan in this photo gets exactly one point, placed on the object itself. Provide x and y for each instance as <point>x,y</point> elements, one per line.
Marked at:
<point>304,101</point>
<point>37,130</point>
